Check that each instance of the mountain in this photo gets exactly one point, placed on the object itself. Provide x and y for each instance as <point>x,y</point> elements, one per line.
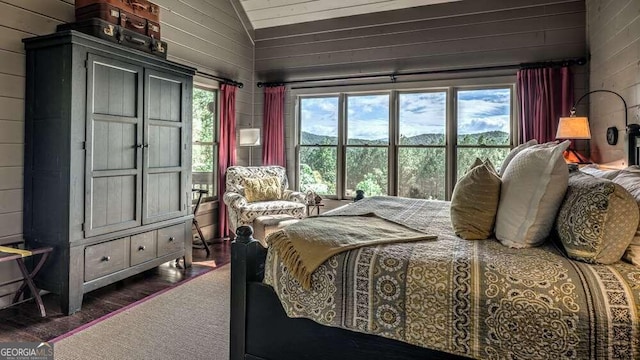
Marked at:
<point>487,138</point>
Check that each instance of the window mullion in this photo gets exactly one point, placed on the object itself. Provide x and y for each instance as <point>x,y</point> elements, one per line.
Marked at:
<point>342,157</point>
<point>392,154</point>
<point>451,142</point>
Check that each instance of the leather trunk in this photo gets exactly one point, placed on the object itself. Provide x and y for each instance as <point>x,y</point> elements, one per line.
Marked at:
<point>120,17</point>
<point>117,34</point>
<point>142,8</point>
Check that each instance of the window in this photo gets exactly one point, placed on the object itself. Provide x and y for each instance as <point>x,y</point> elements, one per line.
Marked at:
<point>407,143</point>
<point>367,144</point>
<point>205,142</point>
<point>484,122</point>
<point>318,144</point>
<point>421,148</point>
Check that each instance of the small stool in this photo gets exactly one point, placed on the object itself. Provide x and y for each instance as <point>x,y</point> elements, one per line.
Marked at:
<point>195,222</point>
<point>10,254</point>
<point>266,224</point>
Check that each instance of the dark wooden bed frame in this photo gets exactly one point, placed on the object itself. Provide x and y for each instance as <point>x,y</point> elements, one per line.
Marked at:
<point>260,329</point>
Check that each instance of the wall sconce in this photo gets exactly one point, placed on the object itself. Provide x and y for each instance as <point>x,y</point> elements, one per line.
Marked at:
<point>612,132</point>
<point>249,137</point>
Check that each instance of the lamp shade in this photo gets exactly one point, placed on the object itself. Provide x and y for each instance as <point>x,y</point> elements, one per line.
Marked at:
<point>573,127</point>
<point>249,137</point>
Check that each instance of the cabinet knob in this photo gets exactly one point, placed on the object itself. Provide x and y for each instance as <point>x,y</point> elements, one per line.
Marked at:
<point>139,146</point>
<point>146,145</point>
<point>106,258</point>
<point>142,248</point>
<point>171,239</point>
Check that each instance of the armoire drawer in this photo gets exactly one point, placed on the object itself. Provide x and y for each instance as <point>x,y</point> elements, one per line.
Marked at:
<point>170,239</point>
<point>143,247</point>
<point>106,258</point>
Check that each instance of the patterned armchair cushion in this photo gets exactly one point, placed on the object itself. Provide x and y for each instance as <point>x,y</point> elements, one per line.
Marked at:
<point>266,189</point>
<point>597,220</point>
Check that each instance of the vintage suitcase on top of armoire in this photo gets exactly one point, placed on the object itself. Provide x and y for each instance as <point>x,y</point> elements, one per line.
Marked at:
<point>143,8</point>
<point>118,34</point>
<point>107,162</point>
<point>117,16</point>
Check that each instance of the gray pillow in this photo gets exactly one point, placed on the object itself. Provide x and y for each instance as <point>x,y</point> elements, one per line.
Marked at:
<point>597,219</point>
<point>596,171</point>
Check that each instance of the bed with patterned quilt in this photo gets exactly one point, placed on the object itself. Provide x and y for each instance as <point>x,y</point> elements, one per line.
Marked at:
<point>449,296</point>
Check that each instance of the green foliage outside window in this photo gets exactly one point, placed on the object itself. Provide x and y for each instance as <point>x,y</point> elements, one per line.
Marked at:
<point>203,130</point>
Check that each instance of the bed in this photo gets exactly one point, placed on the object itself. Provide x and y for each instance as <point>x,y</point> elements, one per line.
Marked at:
<point>443,299</point>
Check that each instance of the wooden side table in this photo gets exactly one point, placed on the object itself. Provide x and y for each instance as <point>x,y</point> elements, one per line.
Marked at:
<point>314,207</point>
<point>10,254</point>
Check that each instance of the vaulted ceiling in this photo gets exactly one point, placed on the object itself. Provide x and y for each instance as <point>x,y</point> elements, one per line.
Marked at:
<point>268,13</point>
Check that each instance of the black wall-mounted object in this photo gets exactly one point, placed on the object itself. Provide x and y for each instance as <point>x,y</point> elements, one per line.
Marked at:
<point>612,135</point>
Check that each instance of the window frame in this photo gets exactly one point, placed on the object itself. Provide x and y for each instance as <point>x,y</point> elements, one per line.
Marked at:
<point>451,126</point>
<point>299,144</point>
<point>213,193</point>
<point>345,142</point>
<point>512,126</point>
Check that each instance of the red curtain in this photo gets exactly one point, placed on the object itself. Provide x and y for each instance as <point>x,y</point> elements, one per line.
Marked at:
<point>273,127</point>
<point>226,150</point>
<point>544,95</point>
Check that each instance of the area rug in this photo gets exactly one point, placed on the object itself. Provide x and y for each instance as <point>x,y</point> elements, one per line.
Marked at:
<point>190,321</point>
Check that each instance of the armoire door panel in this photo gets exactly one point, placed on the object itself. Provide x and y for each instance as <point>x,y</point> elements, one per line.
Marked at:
<point>165,169</point>
<point>164,145</point>
<point>114,199</point>
<point>159,200</point>
<point>165,100</point>
<point>116,91</point>
<point>114,145</point>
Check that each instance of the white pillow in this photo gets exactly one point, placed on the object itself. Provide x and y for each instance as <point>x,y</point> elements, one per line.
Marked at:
<point>515,152</point>
<point>533,187</point>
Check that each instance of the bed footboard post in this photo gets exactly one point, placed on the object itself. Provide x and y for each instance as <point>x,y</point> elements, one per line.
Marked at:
<point>247,264</point>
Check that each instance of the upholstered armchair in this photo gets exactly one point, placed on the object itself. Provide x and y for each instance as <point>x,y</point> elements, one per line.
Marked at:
<point>243,212</point>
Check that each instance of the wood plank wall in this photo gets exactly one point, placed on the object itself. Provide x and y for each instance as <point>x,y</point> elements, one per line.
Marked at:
<point>453,35</point>
<point>614,42</point>
<point>206,34</point>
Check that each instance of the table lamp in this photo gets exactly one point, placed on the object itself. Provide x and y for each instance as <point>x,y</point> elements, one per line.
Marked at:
<point>574,128</point>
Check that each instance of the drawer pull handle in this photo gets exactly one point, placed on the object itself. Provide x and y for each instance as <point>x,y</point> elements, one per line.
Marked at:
<point>106,258</point>
<point>171,239</point>
<point>142,248</point>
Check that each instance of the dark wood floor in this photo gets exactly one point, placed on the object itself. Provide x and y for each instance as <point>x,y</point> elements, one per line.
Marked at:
<point>23,322</point>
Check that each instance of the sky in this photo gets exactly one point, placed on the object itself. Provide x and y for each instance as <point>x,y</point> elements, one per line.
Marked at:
<point>420,113</point>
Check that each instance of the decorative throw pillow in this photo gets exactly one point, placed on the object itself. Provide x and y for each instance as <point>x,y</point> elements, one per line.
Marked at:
<point>475,202</point>
<point>533,186</point>
<point>265,189</point>
<point>478,162</point>
<point>515,152</point>
<point>596,171</point>
<point>597,219</point>
<point>630,180</point>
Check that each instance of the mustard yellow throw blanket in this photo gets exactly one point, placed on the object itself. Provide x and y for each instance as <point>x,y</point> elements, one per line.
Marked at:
<point>305,245</point>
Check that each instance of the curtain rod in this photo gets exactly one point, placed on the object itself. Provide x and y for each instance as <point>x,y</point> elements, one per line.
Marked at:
<point>220,78</point>
<point>393,76</point>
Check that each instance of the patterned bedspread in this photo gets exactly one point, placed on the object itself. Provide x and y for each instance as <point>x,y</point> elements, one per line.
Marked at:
<point>474,298</point>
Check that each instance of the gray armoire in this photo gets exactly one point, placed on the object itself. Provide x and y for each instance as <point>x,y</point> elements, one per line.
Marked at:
<point>107,170</point>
